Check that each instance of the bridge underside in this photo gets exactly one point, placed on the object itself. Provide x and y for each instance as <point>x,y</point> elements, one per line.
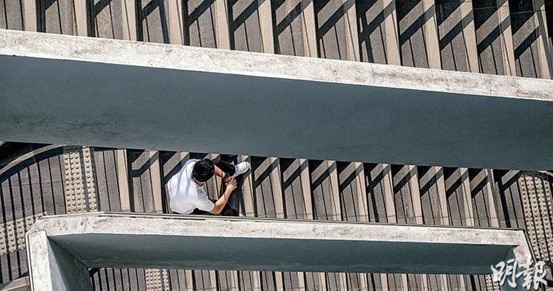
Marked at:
<point>66,246</point>
<point>71,90</point>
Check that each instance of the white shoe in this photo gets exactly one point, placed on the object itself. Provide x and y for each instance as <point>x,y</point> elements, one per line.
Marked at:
<point>240,169</point>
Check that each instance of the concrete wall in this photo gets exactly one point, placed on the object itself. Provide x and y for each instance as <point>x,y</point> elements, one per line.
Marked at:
<point>167,104</point>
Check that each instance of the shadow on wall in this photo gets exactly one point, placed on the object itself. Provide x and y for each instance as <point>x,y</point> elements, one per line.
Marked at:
<point>31,179</point>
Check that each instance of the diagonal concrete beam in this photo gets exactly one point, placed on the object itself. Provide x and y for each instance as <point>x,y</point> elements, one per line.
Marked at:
<point>166,97</point>
<point>64,246</point>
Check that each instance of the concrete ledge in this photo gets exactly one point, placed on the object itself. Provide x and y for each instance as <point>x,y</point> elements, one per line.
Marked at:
<point>177,57</point>
<point>154,96</point>
<point>168,241</point>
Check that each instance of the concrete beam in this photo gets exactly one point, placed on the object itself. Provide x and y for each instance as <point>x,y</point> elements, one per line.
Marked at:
<point>65,246</point>
<point>52,267</point>
<point>166,97</point>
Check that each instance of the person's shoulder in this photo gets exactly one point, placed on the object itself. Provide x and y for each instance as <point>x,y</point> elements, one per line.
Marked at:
<point>191,161</point>
<point>188,167</point>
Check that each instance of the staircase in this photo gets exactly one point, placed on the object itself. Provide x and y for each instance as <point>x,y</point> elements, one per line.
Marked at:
<point>506,37</point>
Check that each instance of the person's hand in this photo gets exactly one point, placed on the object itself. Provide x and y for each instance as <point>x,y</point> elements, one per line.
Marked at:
<point>231,185</point>
<point>227,178</point>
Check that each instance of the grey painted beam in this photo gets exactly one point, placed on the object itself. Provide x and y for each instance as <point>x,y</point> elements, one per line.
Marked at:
<point>154,96</point>
<point>170,241</point>
<point>62,248</point>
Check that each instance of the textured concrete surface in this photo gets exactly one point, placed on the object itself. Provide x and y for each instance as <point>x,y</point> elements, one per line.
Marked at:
<point>144,95</point>
<point>169,241</point>
<point>53,268</point>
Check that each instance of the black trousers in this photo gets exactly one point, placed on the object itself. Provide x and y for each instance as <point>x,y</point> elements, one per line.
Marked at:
<point>227,210</point>
<point>224,166</point>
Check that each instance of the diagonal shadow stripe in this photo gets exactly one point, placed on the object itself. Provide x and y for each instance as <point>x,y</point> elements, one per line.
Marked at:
<point>174,170</point>
<point>405,180</point>
<point>423,171</point>
<point>431,182</point>
<point>133,156</point>
<point>371,185</point>
<point>47,3</point>
<point>242,17</point>
<point>199,11</point>
<point>287,21</point>
<point>146,11</point>
<point>285,164</point>
<point>526,43</point>
<point>369,27</point>
<point>503,196</point>
<point>373,181</point>
<point>277,3</point>
<point>150,7</point>
<point>493,35</point>
<point>347,182</point>
<point>319,181</point>
<point>454,186</point>
<point>455,31</point>
<point>480,186</point>
<point>28,159</point>
<point>295,175</point>
<point>512,181</point>
<point>416,25</point>
<point>259,179</point>
<point>366,28</point>
<point>98,7</point>
<point>334,18</point>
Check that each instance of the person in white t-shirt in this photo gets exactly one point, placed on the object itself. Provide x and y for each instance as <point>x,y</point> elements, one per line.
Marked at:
<point>187,191</point>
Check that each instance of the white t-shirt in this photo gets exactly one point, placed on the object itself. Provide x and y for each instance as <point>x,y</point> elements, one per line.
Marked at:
<point>185,195</point>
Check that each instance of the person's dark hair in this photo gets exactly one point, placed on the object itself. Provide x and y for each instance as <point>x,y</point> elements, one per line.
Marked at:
<point>203,170</point>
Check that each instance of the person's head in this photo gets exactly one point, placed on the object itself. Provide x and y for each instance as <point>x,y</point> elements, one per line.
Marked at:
<point>203,170</point>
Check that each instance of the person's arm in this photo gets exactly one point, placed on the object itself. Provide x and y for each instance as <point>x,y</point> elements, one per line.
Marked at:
<point>221,174</point>
<point>220,203</point>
